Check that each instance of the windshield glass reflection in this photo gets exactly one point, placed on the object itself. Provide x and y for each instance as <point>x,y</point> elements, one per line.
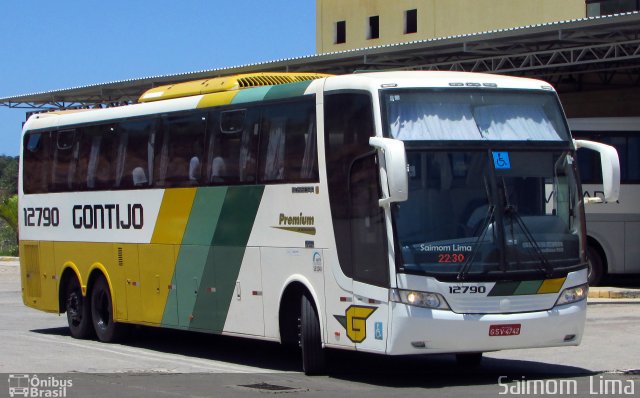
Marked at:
<point>479,212</point>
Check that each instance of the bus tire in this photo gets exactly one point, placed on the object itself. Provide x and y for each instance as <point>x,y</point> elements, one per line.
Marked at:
<point>107,330</point>
<point>469,359</point>
<point>313,355</point>
<point>78,310</point>
<point>596,266</point>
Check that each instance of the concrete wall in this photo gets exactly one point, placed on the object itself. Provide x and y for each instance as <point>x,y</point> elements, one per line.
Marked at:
<point>436,18</point>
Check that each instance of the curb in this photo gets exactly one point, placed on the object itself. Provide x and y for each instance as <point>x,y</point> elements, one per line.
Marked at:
<point>613,293</point>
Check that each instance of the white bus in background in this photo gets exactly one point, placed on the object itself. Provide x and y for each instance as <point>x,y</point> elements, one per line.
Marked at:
<point>613,229</point>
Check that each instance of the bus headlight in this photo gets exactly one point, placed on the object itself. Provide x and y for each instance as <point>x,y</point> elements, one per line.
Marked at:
<point>573,294</point>
<point>419,299</point>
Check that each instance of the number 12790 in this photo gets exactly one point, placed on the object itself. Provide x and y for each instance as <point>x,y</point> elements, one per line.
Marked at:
<point>467,289</point>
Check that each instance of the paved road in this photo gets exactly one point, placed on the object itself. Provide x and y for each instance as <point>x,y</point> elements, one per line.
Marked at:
<point>162,363</point>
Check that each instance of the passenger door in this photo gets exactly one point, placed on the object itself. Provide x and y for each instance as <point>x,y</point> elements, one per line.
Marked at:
<point>357,308</point>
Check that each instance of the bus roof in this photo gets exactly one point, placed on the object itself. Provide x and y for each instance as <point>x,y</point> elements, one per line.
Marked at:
<point>402,79</point>
<point>262,86</point>
<point>181,97</point>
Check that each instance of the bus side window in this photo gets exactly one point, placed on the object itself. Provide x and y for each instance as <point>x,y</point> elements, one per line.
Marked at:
<point>135,154</point>
<point>36,166</point>
<point>627,146</point>
<point>633,159</point>
<point>248,152</point>
<point>95,166</point>
<point>65,156</point>
<point>288,145</point>
<point>181,153</point>
<point>232,147</point>
<point>620,143</point>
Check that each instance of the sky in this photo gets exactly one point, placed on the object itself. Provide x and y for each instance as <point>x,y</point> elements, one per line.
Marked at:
<point>57,45</point>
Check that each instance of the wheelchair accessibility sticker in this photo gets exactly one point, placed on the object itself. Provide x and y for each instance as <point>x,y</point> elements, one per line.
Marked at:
<point>378,329</point>
<point>501,160</point>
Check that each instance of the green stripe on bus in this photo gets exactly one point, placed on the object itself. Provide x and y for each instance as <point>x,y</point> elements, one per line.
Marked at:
<point>239,212</point>
<point>287,90</point>
<point>204,216</point>
<point>193,255</point>
<point>504,288</point>
<point>251,95</point>
<point>192,260</point>
<point>225,257</point>
<point>528,287</point>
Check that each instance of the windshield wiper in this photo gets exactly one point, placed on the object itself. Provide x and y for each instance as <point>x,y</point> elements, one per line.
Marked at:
<point>464,270</point>
<point>544,265</point>
<point>476,245</point>
<point>511,212</point>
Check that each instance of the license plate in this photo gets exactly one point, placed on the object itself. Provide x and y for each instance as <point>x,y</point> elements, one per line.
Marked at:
<point>505,330</point>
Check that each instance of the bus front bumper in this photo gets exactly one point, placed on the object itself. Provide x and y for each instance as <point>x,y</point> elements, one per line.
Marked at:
<point>425,331</point>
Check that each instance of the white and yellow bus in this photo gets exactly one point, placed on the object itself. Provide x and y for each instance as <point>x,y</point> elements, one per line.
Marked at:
<point>393,213</point>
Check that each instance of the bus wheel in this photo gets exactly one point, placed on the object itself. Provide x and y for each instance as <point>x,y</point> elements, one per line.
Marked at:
<point>596,268</point>
<point>78,311</point>
<point>106,329</point>
<point>313,355</point>
<point>469,360</point>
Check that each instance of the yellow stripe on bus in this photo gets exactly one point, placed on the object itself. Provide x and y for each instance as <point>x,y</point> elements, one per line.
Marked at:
<point>217,99</point>
<point>173,215</point>
<point>551,285</point>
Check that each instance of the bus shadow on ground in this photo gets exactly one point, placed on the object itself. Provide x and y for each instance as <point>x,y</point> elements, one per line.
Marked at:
<point>440,371</point>
<point>427,371</point>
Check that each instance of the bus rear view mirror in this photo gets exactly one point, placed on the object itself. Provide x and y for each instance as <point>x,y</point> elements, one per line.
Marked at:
<point>394,171</point>
<point>610,164</point>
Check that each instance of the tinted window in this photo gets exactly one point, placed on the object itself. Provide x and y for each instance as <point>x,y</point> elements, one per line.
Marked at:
<point>232,148</point>
<point>628,147</point>
<point>374,27</point>
<point>95,168</point>
<point>607,7</point>
<point>411,21</point>
<point>288,143</point>
<point>134,161</point>
<point>179,150</point>
<point>341,32</point>
<point>358,221</point>
<point>36,162</point>
<point>64,160</point>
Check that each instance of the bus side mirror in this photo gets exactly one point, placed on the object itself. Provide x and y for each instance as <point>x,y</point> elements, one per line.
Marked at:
<point>394,171</point>
<point>610,169</point>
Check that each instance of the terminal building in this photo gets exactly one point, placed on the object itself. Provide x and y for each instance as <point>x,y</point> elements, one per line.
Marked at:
<point>558,41</point>
<point>342,25</point>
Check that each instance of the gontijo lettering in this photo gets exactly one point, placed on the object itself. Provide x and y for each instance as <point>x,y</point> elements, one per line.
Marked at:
<point>108,216</point>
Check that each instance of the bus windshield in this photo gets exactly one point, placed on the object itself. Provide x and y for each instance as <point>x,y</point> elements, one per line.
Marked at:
<point>473,213</point>
<point>474,115</point>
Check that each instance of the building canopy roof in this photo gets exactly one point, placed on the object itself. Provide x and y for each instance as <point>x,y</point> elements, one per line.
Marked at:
<point>573,55</point>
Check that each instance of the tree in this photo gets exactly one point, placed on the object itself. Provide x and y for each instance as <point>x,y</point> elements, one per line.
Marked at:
<point>9,212</point>
<point>8,176</point>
